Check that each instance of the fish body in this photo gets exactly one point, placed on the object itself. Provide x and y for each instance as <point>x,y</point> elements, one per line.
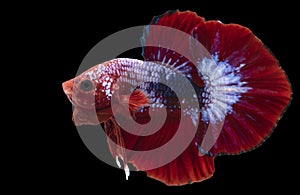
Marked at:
<point>233,96</point>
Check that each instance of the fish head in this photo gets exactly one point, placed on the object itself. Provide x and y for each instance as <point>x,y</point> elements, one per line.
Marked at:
<point>90,94</point>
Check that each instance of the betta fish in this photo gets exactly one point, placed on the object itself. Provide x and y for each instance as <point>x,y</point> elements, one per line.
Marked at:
<point>237,84</point>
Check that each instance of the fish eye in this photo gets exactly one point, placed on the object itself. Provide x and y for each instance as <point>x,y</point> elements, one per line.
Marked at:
<point>86,85</point>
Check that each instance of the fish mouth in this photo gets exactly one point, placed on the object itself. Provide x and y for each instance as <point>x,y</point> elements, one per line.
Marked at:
<point>68,89</point>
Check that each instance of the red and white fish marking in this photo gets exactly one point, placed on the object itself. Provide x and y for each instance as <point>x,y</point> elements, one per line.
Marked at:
<point>240,88</point>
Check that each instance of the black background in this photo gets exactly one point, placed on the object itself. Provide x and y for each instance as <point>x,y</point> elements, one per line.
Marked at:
<point>66,33</point>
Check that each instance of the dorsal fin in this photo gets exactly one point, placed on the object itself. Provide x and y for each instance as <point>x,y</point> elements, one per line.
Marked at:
<point>166,40</point>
